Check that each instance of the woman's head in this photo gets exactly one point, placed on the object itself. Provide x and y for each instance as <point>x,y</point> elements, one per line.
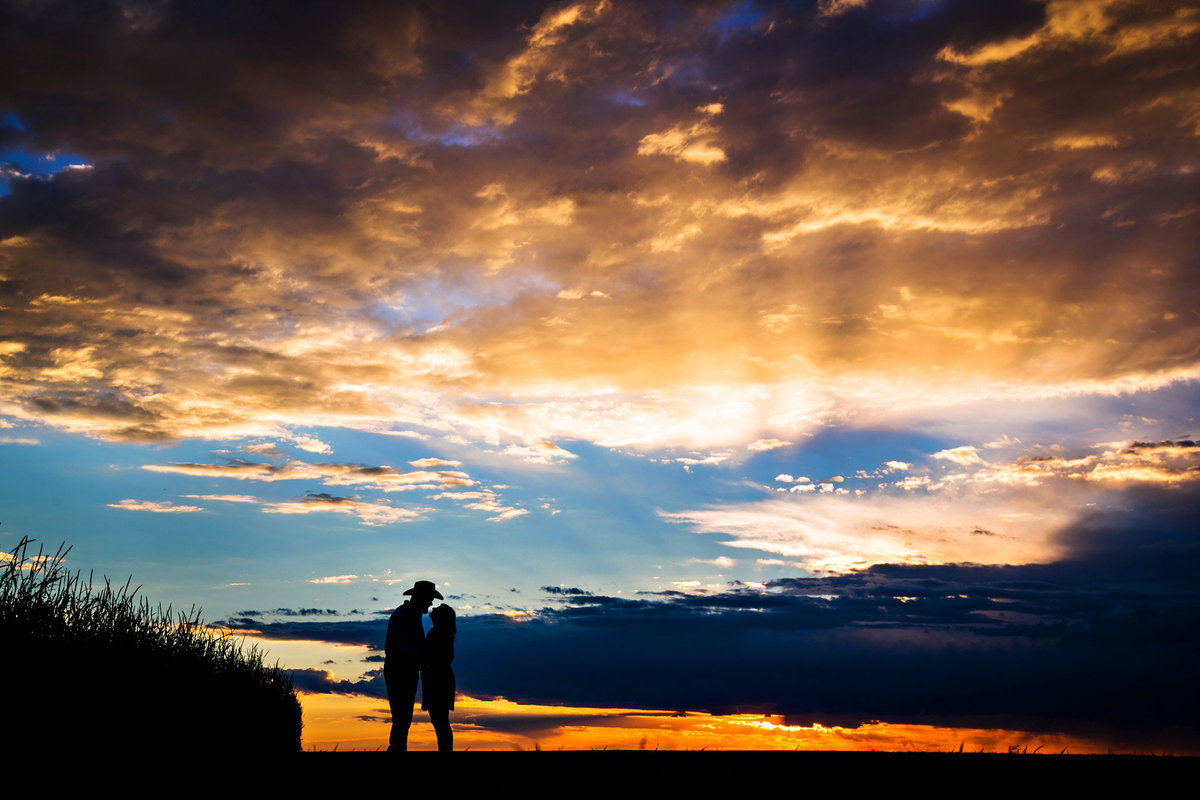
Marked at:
<point>443,617</point>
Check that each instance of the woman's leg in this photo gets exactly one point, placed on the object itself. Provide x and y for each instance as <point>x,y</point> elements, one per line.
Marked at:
<point>441,726</point>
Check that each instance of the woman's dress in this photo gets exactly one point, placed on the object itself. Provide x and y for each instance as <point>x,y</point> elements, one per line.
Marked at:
<point>437,679</point>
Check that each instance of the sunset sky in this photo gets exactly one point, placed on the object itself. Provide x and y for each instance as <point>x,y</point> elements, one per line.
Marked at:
<point>746,374</point>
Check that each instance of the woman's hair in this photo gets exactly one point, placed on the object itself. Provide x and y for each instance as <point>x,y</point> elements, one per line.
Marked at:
<point>443,617</point>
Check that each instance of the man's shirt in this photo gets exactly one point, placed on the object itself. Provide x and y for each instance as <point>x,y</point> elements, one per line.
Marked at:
<point>405,642</point>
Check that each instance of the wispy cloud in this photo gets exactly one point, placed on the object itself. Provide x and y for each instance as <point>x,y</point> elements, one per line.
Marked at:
<point>224,498</point>
<point>25,440</point>
<point>828,532</point>
<point>367,512</point>
<point>157,507</point>
<point>383,478</point>
<point>763,445</point>
<point>335,579</point>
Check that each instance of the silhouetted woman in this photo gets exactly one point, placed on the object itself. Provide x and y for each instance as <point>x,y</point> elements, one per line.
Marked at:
<point>437,677</point>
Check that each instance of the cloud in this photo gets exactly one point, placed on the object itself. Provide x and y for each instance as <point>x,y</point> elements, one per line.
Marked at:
<point>163,507</point>
<point>695,143</point>
<point>763,445</point>
<point>540,452</point>
<point>831,532</point>
<point>963,456</point>
<point>25,440</point>
<point>368,513</point>
<point>311,444</point>
<point>225,498</point>
<point>298,612</point>
<point>484,500</point>
<point>27,562</point>
<point>690,461</point>
<point>427,463</point>
<point>1097,23</point>
<point>372,247</point>
<point>383,478</point>
<point>264,449</point>
<point>330,579</point>
<point>322,682</point>
<point>1116,463</point>
<point>724,562</point>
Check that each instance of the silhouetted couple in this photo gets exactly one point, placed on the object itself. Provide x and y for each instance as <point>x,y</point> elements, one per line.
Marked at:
<point>410,654</point>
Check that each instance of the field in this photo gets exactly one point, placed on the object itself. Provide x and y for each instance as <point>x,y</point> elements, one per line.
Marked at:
<point>626,773</point>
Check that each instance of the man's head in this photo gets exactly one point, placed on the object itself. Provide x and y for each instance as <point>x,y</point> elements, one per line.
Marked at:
<point>423,594</point>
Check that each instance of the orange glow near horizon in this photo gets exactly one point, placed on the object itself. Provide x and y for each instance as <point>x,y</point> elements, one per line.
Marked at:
<point>358,722</point>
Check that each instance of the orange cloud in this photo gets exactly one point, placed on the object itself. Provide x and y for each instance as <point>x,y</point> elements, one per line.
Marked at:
<point>682,262</point>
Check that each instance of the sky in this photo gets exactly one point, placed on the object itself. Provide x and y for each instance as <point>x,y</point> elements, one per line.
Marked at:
<point>747,375</point>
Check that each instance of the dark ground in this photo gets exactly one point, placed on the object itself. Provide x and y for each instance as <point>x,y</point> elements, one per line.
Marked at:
<point>636,774</point>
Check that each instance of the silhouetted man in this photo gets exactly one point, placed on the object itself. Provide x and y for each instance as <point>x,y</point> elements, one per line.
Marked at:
<point>403,656</point>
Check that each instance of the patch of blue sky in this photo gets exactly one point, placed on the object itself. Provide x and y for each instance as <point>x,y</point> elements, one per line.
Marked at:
<point>63,490</point>
<point>1172,412</point>
<point>435,297</point>
<point>460,135</point>
<point>923,8</point>
<point>457,134</point>
<point>20,164</point>
<point>10,120</point>
<point>60,491</point>
<point>838,452</point>
<point>459,547</point>
<point>688,73</point>
<point>368,448</point>
<point>39,165</point>
<point>607,534</point>
<point>741,17</point>
<point>452,540</point>
<point>903,11</point>
<point>610,532</point>
<point>1074,422</point>
<point>627,99</point>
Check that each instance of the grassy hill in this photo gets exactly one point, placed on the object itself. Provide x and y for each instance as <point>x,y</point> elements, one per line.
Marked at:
<point>95,668</point>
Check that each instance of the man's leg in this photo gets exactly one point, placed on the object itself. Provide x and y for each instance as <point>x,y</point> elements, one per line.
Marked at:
<point>402,691</point>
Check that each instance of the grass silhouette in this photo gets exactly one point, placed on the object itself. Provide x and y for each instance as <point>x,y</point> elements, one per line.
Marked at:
<point>97,668</point>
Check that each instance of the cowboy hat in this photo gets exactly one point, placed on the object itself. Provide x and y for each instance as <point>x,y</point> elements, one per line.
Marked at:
<point>425,587</point>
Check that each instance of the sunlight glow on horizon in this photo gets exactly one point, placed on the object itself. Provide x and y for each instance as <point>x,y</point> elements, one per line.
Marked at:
<point>355,722</point>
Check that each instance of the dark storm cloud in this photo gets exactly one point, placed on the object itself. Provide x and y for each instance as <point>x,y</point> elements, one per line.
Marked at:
<point>322,682</point>
<point>1102,640</point>
<point>546,722</point>
<point>296,612</point>
<point>366,632</point>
